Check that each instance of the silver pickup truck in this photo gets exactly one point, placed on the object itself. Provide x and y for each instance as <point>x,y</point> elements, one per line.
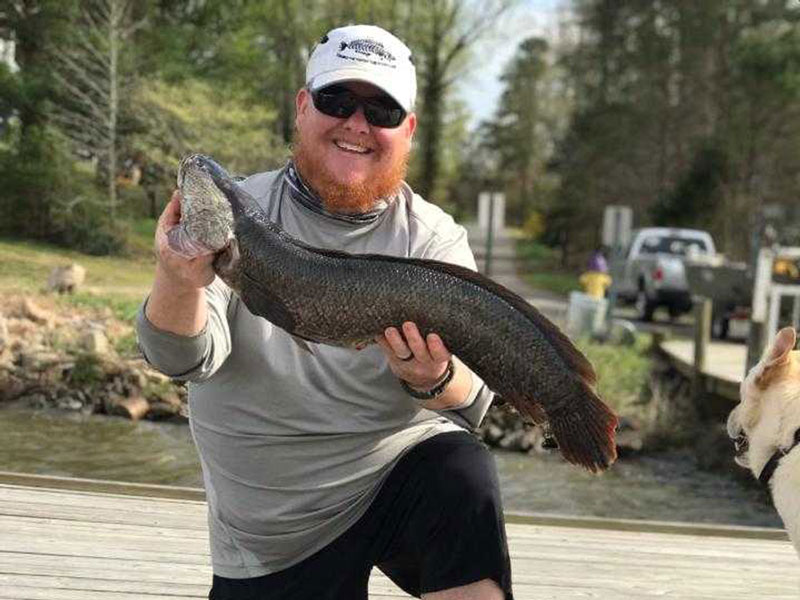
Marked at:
<point>650,272</point>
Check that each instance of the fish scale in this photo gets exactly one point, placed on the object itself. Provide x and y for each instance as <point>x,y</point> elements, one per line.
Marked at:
<point>343,299</point>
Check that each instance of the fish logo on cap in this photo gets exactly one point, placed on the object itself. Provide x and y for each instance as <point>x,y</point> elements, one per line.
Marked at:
<point>367,47</point>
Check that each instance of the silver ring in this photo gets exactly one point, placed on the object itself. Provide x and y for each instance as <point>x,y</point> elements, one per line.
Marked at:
<point>407,358</point>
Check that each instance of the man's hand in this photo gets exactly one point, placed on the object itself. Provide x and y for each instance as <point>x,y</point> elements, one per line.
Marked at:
<point>179,271</point>
<point>422,363</point>
<point>177,299</point>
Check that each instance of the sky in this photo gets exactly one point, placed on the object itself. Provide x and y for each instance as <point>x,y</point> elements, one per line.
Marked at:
<point>481,87</point>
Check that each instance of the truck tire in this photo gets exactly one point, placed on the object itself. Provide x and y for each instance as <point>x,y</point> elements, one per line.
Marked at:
<point>645,307</point>
<point>675,311</point>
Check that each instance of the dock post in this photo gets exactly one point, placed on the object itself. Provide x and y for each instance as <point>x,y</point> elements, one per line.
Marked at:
<point>762,280</point>
<point>702,337</point>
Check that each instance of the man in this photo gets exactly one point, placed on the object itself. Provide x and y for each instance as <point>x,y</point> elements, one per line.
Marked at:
<point>319,465</point>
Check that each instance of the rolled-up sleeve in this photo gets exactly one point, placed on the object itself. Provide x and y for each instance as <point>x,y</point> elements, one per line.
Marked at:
<point>189,358</point>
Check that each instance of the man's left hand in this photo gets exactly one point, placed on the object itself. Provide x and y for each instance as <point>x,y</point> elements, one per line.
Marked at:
<point>421,362</point>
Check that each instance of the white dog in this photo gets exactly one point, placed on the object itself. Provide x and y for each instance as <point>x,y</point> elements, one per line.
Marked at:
<point>766,427</point>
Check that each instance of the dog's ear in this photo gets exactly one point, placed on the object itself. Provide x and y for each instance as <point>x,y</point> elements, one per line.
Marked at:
<point>777,357</point>
<point>783,344</point>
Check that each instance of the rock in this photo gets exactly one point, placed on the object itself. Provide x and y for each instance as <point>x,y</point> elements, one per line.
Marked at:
<point>38,400</point>
<point>69,404</point>
<point>6,359</point>
<point>522,440</point>
<point>66,279</point>
<point>162,410</point>
<point>21,328</point>
<point>155,376</point>
<point>38,359</point>
<point>3,333</point>
<point>133,408</point>
<point>95,341</point>
<point>36,314</point>
<point>493,434</point>
<point>12,387</point>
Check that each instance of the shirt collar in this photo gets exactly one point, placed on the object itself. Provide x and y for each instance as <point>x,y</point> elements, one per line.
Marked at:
<point>301,192</point>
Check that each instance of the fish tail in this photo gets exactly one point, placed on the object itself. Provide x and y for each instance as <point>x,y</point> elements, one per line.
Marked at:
<point>586,433</point>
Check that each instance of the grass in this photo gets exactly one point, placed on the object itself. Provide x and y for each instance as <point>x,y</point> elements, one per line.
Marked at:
<point>541,268</point>
<point>622,372</point>
<point>119,283</point>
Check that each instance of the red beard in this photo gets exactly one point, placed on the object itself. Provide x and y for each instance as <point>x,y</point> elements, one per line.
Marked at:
<point>346,198</point>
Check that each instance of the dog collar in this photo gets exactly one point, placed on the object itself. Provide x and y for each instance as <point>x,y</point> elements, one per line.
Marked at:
<point>772,463</point>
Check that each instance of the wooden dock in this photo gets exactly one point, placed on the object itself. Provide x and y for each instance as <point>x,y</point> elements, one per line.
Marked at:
<point>65,539</point>
<point>724,365</point>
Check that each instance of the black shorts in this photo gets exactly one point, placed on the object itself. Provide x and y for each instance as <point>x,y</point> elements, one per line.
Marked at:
<point>436,523</point>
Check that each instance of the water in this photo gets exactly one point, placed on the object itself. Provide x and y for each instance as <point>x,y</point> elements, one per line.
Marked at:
<point>664,487</point>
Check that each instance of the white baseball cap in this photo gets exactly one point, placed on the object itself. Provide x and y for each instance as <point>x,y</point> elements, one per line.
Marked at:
<point>364,53</point>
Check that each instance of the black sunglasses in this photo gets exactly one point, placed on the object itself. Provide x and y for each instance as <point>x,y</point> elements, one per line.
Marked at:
<point>337,101</point>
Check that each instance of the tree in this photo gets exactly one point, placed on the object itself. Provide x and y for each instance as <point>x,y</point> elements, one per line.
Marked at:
<point>522,131</point>
<point>442,35</point>
<point>176,119</point>
<point>31,163</point>
<point>93,81</point>
<point>677,100</point>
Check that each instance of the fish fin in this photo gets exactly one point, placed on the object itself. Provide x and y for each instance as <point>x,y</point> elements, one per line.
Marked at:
<point>226,263</point>
<point>585,432</point>
<point>262,302</point>
<point>537,414</point>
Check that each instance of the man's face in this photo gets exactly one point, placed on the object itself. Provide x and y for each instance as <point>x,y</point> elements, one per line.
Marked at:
<point>348,162</point>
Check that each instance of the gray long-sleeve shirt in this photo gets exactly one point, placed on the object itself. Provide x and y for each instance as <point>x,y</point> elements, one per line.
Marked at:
<point>295,445</point>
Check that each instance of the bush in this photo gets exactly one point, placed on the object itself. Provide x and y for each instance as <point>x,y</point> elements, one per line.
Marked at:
<point>534,225</point>
<point>34,169</point>
<point>92,235</point>
<point>48,196</point>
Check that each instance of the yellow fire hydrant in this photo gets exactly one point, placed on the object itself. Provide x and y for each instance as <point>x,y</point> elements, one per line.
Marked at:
<point>595,283</point>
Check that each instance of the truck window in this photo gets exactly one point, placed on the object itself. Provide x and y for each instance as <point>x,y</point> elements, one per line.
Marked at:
<point>672,245</point>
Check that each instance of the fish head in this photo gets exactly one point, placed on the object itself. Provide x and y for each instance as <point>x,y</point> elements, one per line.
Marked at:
<point>193,163</point>
<point>206,212</point>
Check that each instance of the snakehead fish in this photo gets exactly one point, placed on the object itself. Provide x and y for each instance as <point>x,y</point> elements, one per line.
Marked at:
<point>333,297</point>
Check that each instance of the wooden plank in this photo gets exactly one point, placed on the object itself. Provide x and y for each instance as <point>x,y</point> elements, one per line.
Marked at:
<point>90,528</point>
<point>197,510</point>
<point>379,584</point>
<point>102,487</point>
<point>143,588</point>
<point>725,364</point>
<point>56,549</point>
<point>638,525</point>
<point>50,496</point>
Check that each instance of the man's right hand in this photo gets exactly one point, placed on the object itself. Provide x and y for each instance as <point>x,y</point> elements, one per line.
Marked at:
<point>173,268</point>
<point>177,299</point>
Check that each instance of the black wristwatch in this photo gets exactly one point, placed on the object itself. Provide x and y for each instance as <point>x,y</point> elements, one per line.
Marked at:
<point>436,390</point>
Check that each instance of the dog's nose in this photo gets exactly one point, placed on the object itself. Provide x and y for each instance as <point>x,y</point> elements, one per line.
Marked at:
<point>741,444</point>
